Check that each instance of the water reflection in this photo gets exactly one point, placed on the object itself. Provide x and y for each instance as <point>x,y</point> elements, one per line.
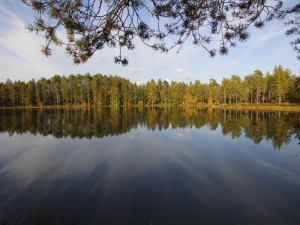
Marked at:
<point>179,174</point>
<point>278,127</point>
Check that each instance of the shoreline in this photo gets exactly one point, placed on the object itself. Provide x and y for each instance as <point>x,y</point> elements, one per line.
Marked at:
<point>262,106</point>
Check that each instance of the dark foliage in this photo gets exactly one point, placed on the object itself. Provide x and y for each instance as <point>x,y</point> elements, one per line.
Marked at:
<point>91,25</point>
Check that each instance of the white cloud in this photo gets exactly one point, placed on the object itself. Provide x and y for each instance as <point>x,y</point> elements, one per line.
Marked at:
<point>181,70</point>
<point>270,34</point>
<point>136,136</point>
<point>136,69</point>
<point>182,134</point>
<point>189,76</point>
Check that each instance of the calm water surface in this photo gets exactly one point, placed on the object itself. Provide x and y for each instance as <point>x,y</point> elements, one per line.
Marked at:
<point>170,166</point>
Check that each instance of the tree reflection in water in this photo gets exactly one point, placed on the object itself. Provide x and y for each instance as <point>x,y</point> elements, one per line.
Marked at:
<point>278,127</point>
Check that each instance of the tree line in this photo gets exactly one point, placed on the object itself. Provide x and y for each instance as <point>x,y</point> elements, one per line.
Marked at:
<point>278,127</point>
<point>114,91</point>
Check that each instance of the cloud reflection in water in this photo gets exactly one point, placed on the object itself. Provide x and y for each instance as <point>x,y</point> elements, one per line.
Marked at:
<point>130,178</point>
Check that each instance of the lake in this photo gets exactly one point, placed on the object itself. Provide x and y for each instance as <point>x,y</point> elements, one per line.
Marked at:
<point>150,166</point>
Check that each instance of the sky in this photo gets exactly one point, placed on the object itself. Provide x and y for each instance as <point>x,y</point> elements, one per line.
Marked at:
<point>21,58</point>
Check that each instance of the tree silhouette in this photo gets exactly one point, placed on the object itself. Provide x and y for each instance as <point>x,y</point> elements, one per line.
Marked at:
<point>91,25</point>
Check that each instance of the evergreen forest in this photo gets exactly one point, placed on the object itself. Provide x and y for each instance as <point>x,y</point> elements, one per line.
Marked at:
<point>101,90</point>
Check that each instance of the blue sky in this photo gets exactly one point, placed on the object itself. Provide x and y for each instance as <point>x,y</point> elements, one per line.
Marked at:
<point>21,59</point>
